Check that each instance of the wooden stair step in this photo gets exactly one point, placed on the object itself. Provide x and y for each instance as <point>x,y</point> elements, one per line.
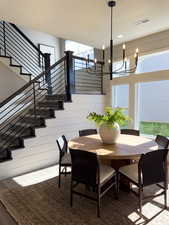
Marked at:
<point>45,113</point>
<point>32,121</point>
<point>25,131</point>
<point>57,105</point>
<point>55,97</point>
<point>5,155</point>
<point>11,141</point>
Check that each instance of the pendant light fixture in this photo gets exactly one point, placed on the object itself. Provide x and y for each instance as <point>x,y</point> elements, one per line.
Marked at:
<point>123,69</point>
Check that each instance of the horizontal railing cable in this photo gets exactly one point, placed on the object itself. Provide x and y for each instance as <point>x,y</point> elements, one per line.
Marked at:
<point>86,82</point>
<point>15,44</point>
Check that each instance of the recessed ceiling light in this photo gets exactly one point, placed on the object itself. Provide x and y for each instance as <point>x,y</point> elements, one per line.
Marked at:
<point>120,36</point>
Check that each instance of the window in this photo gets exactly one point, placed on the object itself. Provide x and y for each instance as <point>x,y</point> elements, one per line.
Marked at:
<point>121,97</point>
<point>153,110</point>
<point>79,49</point>
<point>153,62</point>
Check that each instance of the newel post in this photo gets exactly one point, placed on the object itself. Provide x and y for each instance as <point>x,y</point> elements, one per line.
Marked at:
<point>48,73</point>
<point>70,75</point>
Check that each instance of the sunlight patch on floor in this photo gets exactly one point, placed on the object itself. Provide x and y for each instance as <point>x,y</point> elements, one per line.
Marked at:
<point>37,176</point>
<point>152,215</point>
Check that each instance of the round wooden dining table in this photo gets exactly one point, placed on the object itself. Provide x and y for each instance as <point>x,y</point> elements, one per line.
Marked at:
<point>127,146</point>
<point>127,149</point>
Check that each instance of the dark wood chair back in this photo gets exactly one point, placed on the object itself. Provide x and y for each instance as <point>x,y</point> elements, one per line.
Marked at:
<point>87,132</point>
<point>130,132</point>
<point>85,167</point>
<point>162,142</point>
<point>62,145</point>
<point>152,169</point>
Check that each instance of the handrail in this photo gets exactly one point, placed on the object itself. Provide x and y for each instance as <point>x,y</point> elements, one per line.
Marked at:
<point>26,38</point>
<point>19,91</point>
<point>90,60</point>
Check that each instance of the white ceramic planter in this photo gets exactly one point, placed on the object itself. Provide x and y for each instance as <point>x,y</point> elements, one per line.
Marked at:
<point>109,135</point>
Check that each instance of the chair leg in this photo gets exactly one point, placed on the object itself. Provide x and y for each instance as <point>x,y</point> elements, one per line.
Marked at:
<point>165,194</point>
<point>98,201</point>
<point>59,177</point>
<point>65,171</point>
<point>71,194</point>
<point>140,200</point>
<point>116,187</point>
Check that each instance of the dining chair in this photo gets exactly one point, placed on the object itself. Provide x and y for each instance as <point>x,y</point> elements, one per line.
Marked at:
<point>130,132</point>
<point>64,157</point>
<point>87,170</point>
<point>162,142</point>
<point>150,170</point>
<point>86,132</point>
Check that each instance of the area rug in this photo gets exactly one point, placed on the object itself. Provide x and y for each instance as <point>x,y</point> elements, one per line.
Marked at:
<point>45,204</point>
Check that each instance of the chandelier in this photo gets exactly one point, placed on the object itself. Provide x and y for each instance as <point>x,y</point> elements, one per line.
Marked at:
<point>123,68</point>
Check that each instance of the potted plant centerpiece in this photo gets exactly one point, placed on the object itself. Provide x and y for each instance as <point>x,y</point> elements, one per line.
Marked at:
<point>108,123</point>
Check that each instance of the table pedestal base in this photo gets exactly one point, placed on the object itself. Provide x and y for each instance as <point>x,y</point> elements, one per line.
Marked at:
<point>116,164</point>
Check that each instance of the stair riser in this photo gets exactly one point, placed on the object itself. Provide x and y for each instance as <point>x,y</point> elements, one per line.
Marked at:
<point>45,113</point>
<point>5,156</point>
<point>24,132</point>
<point>55,97</point>
<point>53,105</point>
<point>15,144</point>
<point>38,122</point>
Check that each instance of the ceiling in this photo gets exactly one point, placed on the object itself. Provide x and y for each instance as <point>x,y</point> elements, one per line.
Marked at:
<point>87,21</point>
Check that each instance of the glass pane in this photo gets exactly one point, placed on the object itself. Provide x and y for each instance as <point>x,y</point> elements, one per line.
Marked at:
<point>79,49</point>
<point>153,62</point>
<point>120,97</point>
<point>153,108</point>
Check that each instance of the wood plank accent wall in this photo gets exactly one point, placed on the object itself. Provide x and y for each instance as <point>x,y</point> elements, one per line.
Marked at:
<point>41,151</point>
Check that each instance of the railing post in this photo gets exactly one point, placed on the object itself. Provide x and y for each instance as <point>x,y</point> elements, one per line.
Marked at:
<point>4,37</point>
<point>34,100</point>
<point>102,80</point>
<point>48,73</point>
<point>70,75</point>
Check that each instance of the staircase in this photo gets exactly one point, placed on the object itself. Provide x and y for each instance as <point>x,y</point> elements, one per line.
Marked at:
<point>29,107</point>
<point>47,89</point>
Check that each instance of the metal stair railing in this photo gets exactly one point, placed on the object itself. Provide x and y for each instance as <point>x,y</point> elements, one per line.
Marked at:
<point>14,43</point>
<point>17,106</point>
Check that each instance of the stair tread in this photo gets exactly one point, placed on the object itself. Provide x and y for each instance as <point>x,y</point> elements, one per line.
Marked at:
<point>4,147</point>
<point>51,100</point>
<point>20,124</point>
<point>5,159</point>
<point>32,116</point>
<point>5,56</point>
<point>29,74</point>
<point>14,65</point>
<point>9,134</point>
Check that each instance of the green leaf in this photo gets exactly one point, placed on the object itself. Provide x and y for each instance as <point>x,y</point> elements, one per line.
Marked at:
<point>110,117</point>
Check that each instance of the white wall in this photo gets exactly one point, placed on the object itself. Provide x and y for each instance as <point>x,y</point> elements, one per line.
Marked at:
<point>42,151</point>
<point>43,38</point>
<point>9,82</point>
